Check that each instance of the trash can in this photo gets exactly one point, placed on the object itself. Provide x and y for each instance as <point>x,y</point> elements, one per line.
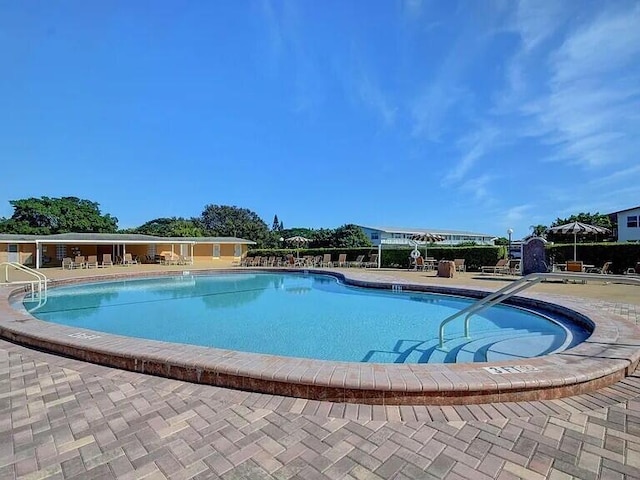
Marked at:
<point>446,268</point>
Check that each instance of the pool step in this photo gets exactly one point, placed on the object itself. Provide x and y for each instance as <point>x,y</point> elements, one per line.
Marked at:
<point>480,347</point>
<point>483,346</point>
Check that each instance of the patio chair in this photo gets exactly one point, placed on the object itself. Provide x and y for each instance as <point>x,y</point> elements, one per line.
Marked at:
<point>501,266</point>
<point>342,260</point>
<point>67,262</point>
<point>419,264</point>
<point>106,260</point>
<point>460,267</point>
<point>79,262</point>
<point>326,260</point>
<point>92,261</point>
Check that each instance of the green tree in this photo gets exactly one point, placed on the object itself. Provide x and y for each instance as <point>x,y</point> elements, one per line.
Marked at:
<point>588,218</point>
<point>231,221</point>
<point>46,216</point>
<point>275,226</point>
<point>538,230</point>
<point>501,241</point>
<point>169,227</point>
<point>323,238</point>
<point>349,235</point>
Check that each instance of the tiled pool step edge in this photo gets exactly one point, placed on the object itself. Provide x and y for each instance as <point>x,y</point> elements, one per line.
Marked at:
<point>610,354</point>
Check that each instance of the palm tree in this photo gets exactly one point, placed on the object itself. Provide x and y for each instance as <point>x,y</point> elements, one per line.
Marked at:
<point>538,230</point>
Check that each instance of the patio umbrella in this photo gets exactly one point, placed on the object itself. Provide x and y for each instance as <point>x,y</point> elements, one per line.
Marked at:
<point>427,238</point>
<point>297,241</point>
<point>577,228</point>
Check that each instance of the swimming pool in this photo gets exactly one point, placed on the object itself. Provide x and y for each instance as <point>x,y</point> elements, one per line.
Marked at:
<point>305,315</point>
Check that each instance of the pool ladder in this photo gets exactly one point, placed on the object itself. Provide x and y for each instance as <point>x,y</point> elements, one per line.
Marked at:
<point>520,285</point>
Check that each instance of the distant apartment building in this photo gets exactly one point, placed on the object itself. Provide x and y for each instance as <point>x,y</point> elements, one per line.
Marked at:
<point>402,236</point>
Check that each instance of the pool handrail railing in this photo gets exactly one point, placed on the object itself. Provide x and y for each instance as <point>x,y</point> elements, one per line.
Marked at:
<point>523,284</point>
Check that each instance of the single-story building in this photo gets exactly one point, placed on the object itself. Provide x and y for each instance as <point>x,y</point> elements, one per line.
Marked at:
<point>628,222</point>
<point>49,250</point>
<point>402,236</point>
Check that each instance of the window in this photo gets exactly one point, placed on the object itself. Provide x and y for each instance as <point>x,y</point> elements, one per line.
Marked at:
<point>61,251</point>
<point>237,250</point>
<point>151,250</point>
<point>216,250</point>
<point>632,221</point>
<point>375,236</point>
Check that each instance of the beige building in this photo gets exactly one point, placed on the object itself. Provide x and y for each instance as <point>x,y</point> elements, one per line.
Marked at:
<point>42,251</point>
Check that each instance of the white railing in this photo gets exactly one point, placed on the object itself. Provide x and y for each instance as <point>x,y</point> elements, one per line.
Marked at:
<point>39,283</point>
<point>522,284</point>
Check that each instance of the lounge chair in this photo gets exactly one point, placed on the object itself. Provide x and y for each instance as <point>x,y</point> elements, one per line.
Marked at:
<point>326,260</point>
<point>372,262</point>
<point>501,266</point>
<point>67,262</point>
<point>92,261</point>
<point>106,260</point>
<point>460,267</point>
<point>342,260</point>
<point>633,270</point>
<point>129,260</point>
<point>357,262</point>
<point>605,269</point>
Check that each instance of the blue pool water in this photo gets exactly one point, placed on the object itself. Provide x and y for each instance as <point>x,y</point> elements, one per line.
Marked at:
<point>304,315</point>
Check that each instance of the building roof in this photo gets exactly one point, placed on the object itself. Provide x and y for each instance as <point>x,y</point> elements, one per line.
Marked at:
<point>625,210</point>
<point>110,238</point>
<point>427,230</point>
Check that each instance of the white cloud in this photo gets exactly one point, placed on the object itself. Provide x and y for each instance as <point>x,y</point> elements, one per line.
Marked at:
<point>591,110</point>
<point>517,213</point>
<point>372,96</point>
<point>477,188</point>
<point>412,8</point>
<point>475,146</point>
<point>607,44</point>
<point>537,20</point>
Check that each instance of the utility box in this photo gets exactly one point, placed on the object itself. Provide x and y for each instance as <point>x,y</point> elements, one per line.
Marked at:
<point>446,268</point>
<point>534,257</point>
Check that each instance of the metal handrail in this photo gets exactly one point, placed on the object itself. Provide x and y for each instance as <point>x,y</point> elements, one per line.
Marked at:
<point>41,277</point>
<point>522,284</point>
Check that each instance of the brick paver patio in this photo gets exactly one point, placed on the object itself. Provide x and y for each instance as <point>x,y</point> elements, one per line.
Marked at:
<point>63,418</point>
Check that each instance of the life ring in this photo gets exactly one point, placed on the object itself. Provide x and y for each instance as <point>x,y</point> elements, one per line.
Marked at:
<point>415,254</point>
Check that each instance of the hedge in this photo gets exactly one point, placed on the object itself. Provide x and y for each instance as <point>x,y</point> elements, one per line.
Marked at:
<point>623,255</point>
<point>397,257</point>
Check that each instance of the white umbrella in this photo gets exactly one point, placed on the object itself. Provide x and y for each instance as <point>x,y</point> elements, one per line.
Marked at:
<point>427,238</point>
<point>297,240</point>
<point>577,228</point>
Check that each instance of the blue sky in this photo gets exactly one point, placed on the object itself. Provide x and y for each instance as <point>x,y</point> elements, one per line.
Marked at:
<point>466,115</point>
